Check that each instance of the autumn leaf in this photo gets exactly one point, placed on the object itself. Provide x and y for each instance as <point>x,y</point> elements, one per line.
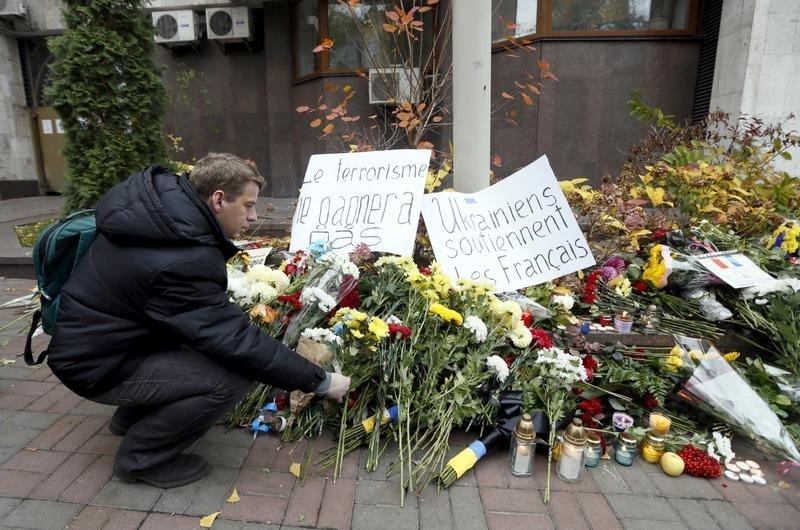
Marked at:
<point>294,469</point>
<point>436,119</point>
<point>506,95</point>
<point>392,15</point>
<point>390,28</point>
<point>303,108</point>
<point>208,520</point>
<point>656,196</point>
<point>234,496</point>
<point>347,88</point>
<point>315,123</point>
<point>544,65</point>
<point>497,161</point>
<point>327,129</point>
<point>526,98</point>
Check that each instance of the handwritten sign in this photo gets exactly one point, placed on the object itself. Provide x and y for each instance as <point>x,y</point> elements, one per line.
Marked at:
<point>372,198</point>
<point>517,233</point>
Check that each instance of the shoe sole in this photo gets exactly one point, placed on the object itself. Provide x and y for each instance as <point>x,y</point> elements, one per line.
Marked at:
<point>127,477</point>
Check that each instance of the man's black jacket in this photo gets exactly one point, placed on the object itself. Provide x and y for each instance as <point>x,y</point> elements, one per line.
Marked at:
<point>154,279</point>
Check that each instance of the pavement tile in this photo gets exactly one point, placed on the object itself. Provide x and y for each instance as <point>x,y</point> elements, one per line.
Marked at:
<point>685,486</point>
<point>637,479</point>
<point>90,482</point>
<point>515,521</point>
<point>513,501</point>
<point>385,517</point>
<point>6,413</point>
<point>7,452</point>
<point>387,459</point>
<point>80,434</point>
<point>726,515</point>
<point>338,501</point>
<point>222,524</point>
<point>19,371</point>
<point>51,399</point>
<point>16,437</point>
<point>49,438</point>
<point>490,471</point>
<point>160,521</point>
<point>565,512</point>
<point>42,515</point>
<point>36,461</point>
<point>18,483</point>
<point>764,515</point>
<point>202,497</point>
<point>305,502</point>
<point>597,511</point>
<point>66,404</point>
<point>90,408</point>
<point>7,505</point>
<point>323,447</point>
<point>251,481</point>
<point>468,513</point>
<point>126,495</point>
<point>382,492</point>
<point>434,509</point>
<point>642,507</point>
<point>288,454</point>
<point>95,518</point>
<point>221,455</point>
<point>586,483</point>
<point>34,420</point>
<point>262,452</point>
<point>694,514</point>
<point>15,401</point>
<point>64,475</point>
<point>236,437</point>
<point>737,492</point>
<point>644,524</point>
<point>259,508</point>
<point>608,478</point>
<point>101,444</point>
<point>26,388</point>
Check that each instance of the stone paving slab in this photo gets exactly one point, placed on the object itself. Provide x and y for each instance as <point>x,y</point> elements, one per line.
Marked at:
<point>56,458</point>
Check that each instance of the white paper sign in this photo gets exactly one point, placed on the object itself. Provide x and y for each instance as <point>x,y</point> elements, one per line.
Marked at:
<point>59,128</point>
<point>258,256</point>
<point>372,198</point>
<point>517,233</point>
<point>737,270</point>
<point>47,127</point>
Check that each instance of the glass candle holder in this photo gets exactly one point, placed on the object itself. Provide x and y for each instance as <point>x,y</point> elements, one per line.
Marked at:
<point>660,423</point>
<point>523,444</point>
<point>594,450</point>
<point>652,447</point>
<point>621,421</point>
<point>625,449</point>
<point>623,322</point>
<point>573,445</point>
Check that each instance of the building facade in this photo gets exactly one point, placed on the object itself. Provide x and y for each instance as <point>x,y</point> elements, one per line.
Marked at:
<point>241,95</point>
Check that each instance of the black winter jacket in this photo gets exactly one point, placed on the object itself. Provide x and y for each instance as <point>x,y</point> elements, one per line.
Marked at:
<point>154,279</point>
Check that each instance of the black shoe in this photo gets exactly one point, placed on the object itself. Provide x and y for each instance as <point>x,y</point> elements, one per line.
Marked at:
<point>181,470</point>
<point>117,427</point>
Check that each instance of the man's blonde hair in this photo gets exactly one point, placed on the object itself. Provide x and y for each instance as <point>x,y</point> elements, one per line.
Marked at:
<point>226,172</point>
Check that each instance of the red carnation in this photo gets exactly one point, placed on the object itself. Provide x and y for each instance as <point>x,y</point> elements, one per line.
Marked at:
<point>425,270</point>
<point>293,299</point>
<point>397,328</point>
<point>290,269</point>
<point>639,286</point>
<point>509,359</point>
<point>527,319</point>
<point>542,339</point>
<point>592,406</point>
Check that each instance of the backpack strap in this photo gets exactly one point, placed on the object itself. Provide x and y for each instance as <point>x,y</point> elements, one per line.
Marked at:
<point>28,351</point>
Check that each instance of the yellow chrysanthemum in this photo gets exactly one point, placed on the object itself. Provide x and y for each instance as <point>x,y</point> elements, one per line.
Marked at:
<point>446,314</point>
<point>696,354</point>
<point>378,327</point>
<point>673,363</point>
<point>731,356</point>
<point>357,334</point>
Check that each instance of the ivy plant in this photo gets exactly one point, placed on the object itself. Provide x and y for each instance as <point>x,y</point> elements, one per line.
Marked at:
<point>108,92</point>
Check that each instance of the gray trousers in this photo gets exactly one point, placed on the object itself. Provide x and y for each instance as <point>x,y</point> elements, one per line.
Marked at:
<point>167,404</point>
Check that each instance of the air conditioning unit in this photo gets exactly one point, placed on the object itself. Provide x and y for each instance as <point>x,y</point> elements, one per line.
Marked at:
<point>229,23</point>
<point>392,84</point>
<point>177,27</point>
<point>13,8</point>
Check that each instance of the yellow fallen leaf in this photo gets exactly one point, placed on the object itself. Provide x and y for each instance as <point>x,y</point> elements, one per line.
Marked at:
<point>4,362</point>
<point>294,469</point>
<point>208,520</point>
<point>234,496</point>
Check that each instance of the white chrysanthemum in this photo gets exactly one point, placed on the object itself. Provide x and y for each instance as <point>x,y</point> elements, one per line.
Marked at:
<point>324,301</point>
<point>564,300</point>
<point>321,335</point>
<point>341,263</point>
<point>498,367</point>
<point>394,320</point>
<point>558,364</point>
<point>520,335</point>
<point>720,448</point>
<point>509,310</point>
<point>780,285</point>
<point>262,292</point>
<point>477,327</point>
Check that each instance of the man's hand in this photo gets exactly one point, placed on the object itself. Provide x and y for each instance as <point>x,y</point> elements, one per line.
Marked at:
<point>338,387</point>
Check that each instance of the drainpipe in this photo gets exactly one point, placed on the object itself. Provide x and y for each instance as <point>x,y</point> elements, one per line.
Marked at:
<point>472,78</point>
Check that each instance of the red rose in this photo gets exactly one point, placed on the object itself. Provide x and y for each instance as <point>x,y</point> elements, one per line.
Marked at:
<point>527,319</point>
<point>290,269</point>
<point>650,401</point>
<point>639,286</point>
<point>592,406</point>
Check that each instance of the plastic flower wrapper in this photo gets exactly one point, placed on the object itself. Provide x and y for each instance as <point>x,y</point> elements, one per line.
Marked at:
<point>329,280</point>
<point>716,388</point>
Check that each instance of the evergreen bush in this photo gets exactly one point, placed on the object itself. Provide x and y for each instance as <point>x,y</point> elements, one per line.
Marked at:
<point>108,93</point>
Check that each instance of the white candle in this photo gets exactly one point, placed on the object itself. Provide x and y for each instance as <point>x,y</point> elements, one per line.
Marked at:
<point>570,462</point>
<point>522,460</point>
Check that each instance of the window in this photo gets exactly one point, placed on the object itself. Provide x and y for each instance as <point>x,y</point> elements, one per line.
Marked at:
<point>359,38</point>
<point>544,18</point>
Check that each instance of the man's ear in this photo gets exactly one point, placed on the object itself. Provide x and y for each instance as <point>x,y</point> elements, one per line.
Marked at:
<point>215,201</point>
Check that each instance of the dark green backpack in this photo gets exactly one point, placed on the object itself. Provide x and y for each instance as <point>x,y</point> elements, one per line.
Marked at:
<point>56,253</point>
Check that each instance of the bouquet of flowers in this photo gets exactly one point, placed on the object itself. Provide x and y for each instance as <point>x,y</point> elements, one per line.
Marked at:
<point>716,388</point>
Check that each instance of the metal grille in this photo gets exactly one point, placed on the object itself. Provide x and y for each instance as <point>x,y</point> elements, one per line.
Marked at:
<point>221,23</point>
<point>166,27</point>
<point>709,21</point>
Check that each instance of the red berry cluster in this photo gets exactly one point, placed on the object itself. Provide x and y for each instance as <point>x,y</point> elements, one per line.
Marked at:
<point>698,464</point>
